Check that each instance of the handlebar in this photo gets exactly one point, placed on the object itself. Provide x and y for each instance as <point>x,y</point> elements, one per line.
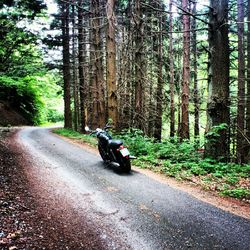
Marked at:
<point>95,131</point>
<point>91,132</point>
<point>107,127</point>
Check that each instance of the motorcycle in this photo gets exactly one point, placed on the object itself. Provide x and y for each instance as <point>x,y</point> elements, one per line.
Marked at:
<point>112,151</point>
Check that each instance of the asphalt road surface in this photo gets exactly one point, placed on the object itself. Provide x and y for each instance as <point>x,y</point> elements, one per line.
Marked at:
<point>128,211</point>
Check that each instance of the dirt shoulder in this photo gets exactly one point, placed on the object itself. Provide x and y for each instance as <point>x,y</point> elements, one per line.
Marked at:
<point>228,204</point>
<point>25,222</point>
<point>232,205</point>
<point>9,116</point>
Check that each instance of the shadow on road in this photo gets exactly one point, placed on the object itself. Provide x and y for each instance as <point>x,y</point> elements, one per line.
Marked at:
<point>118,170</point>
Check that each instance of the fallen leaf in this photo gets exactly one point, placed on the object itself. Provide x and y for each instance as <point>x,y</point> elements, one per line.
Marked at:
<point>143,207</point>
<point>12,248</point>
<point>112,189</point>
<point>4,241</point>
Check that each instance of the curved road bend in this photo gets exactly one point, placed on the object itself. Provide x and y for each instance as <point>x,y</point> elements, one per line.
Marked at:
<point>128,211</point>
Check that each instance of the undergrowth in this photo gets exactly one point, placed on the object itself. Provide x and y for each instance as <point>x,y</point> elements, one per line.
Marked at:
<point>75,135</point>
<point>183,161</point>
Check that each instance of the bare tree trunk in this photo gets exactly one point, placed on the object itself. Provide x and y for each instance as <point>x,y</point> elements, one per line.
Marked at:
<point>151,58</point>
<point>126,76</point>
<point>241,85</point>
<point>81,49</point>
<point>129,71</point>
<point>151,106</point>
<point>247,146</point>
<point>74,69</point>
<point>92,91</point>
<point>111,65</point>
<point>100,86</point>
<point>218,89</point>
<point>66,65</point>
<point>139,66</point>
<point>184,133</point>
<point>121,82</point>
<point>171,83</point>
<point>159,91</point>
<point>196,91</point>
<point>178,81</point>
<point>179,114</point>
<point>124,81</point>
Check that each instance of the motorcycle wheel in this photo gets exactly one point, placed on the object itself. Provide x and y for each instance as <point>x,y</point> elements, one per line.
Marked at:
<point>124,164</point>
<point>102,154</point>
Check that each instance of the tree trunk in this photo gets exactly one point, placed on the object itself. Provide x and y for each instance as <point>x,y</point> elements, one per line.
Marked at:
<point>92,93</point>
<point>218,89</point>
<point>126,75</point>
<point>159,91</point>
<point>100,109</point>
<point>129,71</point>
<point>66,65</point>
<point>139,66</point>
<point>196,91</point>
<point>75,73</point>
<point>81,49</point>
<point>171,83</point>
<point>93,79</point>
<point>241,85</point>
<point>111,65</point>
<point>151,106</point>
<point>153,24</point>
<point>247,146</point>
<point>184,133</point>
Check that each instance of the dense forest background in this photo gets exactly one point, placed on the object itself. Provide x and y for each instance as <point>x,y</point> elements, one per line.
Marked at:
<point>170,69</point>
<point>30,91</point>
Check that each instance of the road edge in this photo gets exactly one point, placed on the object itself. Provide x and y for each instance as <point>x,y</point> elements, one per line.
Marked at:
<point>227,204</point>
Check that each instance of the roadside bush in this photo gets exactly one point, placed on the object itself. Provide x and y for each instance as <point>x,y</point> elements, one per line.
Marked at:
<point>22,96</point>
<point>37,98</point>
<point>167,150</point>
<point>239,193</point>
<point>53,115</point>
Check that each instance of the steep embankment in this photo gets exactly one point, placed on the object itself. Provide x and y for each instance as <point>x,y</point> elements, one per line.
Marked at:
<point>25,223</point>
<point>9,116</point>
<point>20,102</point>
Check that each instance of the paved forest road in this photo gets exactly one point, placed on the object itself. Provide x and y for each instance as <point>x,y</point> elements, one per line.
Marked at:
<point>127,211</point>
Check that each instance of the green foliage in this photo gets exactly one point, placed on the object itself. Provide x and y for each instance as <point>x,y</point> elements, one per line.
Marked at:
<point>25,83</point>
<point>17,43</point>
<point>21,94</point>
<point>183,160</point>
<point>51,94</point>
<point>27,8</point>
<point>215,132</point>
<point>37,99</point>
<point>171,150</point>
<point>53,115</point>
<point>76,135</point>
<point>239,193</point>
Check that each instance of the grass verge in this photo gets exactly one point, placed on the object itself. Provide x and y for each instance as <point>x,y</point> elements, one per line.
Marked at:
<point>76,136</point>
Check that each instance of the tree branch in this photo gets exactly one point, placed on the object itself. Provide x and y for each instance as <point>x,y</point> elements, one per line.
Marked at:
<point>194,16</point>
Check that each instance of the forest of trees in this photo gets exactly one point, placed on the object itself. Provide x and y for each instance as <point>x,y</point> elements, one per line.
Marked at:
<point>178,69</point>
<point>168,68</point>
<point>27,86</point>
